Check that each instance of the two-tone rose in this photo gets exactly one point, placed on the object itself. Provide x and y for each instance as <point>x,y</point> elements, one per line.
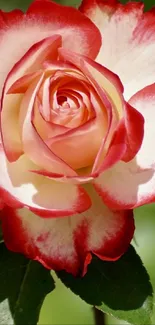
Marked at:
<point>71,160</point>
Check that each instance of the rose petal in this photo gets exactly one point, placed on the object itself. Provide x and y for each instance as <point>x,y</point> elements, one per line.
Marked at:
<point>65,243</point>
<point>44,19</point>
<point>102,76</point>
<point>21,85</point>
<point>8,19</point>
<point>75,146</point>
<point>128,54</point>
<point>109,88</point>
<point>128,185</point>
<point>45,129</point>
<point>31,139</point>
<point>46,49</point>
<point>47,198</point>
<point>10,103</point>
<point>103,79</point>
<point>9,126</point>
<point>78,32</point>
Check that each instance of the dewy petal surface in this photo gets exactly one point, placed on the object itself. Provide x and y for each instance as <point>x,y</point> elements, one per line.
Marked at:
<point>129,53</point>
<point>66,243</point>
<point>128,185</point>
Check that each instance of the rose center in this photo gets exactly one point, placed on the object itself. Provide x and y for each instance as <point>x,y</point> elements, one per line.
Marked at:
<point>62,101</point>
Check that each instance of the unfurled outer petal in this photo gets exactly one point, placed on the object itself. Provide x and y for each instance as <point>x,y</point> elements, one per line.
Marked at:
<point>127,53</point>
<point>128,185</point>
<point>67,243</point>
<point>44,19</point>
<point>19,187</point>
<point>78,32</point>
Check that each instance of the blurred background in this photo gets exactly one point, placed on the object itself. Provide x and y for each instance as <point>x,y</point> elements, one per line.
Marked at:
<point>62,307</point>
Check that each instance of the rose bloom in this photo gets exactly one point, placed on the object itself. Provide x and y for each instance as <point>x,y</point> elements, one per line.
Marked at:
<point>76,87</point>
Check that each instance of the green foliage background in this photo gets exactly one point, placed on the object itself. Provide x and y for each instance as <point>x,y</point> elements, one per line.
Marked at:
<point>23,4</point>
<point>62,306</point>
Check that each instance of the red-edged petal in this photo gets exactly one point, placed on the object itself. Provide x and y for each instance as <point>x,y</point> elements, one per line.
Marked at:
<point>8,19</point>
<point>66,243</point>
<point>109,89</point>
<point>87,6</point>
<point>10,103</point>
<point>134,123</point>
<point>46,197</point>
<point>132,60</point>
<point>102,77</point>
<point>78,32</point>
<point>21,85</point>
<point>116,150</point>
<point>66,179</point>
<point>44,19</point>
<point>33,59</point>
<point>128,185</point>
<point>97,74</point>
<point>1,205</point>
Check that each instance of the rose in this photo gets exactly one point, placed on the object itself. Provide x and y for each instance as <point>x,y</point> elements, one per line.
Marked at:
<point>65,126</point>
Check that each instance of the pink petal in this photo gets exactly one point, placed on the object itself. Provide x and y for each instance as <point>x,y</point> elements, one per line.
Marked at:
<point>21,85</point>
<point>66,243</point>
<point>31,139</point>
<point>127,53</point>
<point>109,89</point>
<point>10,104</point>
<point>107,82</point>
<point>134,124</point>
<point>97,74</point>
<point>117,149</point>
<point>47,198</point>
<point>46,49</point>
<point>45,108</point>
<point>79,147</point>
<point>128,185</point>
<point>45,129</point>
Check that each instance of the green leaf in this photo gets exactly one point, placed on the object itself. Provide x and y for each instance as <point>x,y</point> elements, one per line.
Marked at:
<point>23,287</point>
<point>121,289</point>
